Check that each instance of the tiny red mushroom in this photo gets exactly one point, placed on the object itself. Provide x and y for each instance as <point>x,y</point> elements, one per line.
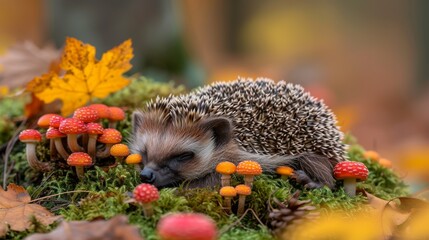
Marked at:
<point>145,194</point>
<point>350,172</point>
<point>110,136</point>
<point>79,160</point>
<point>73,127</point>
<point>56,121</point>
<point>93,130</point>
<point>55,135</point>
<point>31,137</point>
<point>186,226</point>
<point>116,114</point>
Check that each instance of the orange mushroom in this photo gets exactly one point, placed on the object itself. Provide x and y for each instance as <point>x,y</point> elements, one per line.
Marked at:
<point>226,169</point>
<point>372,155</point>
<point>109,137</point>
<point>134,159</point>
<point>228,193</point>
<point>284,171</point>
<point>116,115</point>
<point>119,151</point>
<point>385,162</point>
<point>242,191</point>
<point>249,169</point>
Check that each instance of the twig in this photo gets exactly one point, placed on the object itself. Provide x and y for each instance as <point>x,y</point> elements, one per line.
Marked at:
<point>9,148</point>
<point>58,194</point>
<point>239,221</point>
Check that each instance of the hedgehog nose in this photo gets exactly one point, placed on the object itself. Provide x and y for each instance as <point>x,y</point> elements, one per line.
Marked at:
<point>147,175</point>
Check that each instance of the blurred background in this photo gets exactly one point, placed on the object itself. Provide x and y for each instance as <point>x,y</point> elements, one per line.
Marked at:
<point>368,59</point>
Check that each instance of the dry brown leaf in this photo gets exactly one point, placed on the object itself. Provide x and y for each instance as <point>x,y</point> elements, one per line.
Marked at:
<point>115,228</point>
<point>23,61</point>
<point>16,210</point>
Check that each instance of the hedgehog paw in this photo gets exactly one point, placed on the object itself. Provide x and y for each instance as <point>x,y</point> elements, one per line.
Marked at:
<point>302,178</point>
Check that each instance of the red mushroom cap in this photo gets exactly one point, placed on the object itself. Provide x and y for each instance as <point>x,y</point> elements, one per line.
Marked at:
<point>44,121</point>
<point>110,135</point>
<point>145,193</point>
<point>86,114</point>
<point>79,159</point>
<point>72,126</point>
<point>94,128</point>
<point>349,169</point>
<point>30,135</point>
<point>103,110</point>
<point>189,226</point>
<point>56,121</point>
<point>116,114</point>
<point>54,133</point>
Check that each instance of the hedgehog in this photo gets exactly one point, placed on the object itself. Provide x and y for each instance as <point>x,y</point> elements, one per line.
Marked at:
<point>183,138</point>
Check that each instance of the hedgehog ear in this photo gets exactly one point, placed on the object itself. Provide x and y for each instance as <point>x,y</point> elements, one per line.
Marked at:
<point>221,128</point>
<point>136,120</point>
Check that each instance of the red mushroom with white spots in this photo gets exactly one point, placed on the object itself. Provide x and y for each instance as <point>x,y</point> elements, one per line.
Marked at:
<point>55,136</point>
<point>55,121</point>
<point>73,128</point>
<point>145,194</point>
<point>350,172</point>
<point>102,110</point>
<point>31,137</point>
<point>79,160</point>
<point>44,121</point>
<point>86,114</point>
<point>109,137</point>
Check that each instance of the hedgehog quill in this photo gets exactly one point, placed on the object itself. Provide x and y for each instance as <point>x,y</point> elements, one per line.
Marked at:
<point>183,138</point>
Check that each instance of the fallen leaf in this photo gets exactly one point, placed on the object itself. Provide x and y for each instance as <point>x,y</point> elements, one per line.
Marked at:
<point>23,61</point>
<point>115,228</point>
<point>85,77</point>
<point>16,210</point>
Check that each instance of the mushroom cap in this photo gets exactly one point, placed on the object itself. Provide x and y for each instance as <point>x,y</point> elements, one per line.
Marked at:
<point>189,226</point>
<point>284,170</point>
<point>44,121</point>
<point>133,158</point>
<point>102,110</point>
<point>249,168</point>
<point>54,133</point>
<point>86,114</point>
<point>116,114</point>
<point>228,191</point>
<point>30,136</point>
<point>94,128</point>
<point>243,189</point>
<point>146,193</point>
<point>56,121</point>
<point>385,162</point>
<point>372,155</point>
<point>349,169</point>
<point>119,150</point>
<point>110,135</point>
<point>79,159</point>
<point>226,168</point>
<point>72,126</point>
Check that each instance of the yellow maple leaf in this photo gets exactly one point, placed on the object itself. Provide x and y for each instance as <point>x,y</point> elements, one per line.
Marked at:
<point>85,77</point>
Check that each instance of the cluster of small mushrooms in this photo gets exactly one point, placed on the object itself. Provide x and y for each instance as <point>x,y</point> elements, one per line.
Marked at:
<point>86,139</point>
<point>249,169</point>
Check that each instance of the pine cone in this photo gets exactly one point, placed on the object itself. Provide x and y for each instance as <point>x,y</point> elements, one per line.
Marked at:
<point>289,212</point>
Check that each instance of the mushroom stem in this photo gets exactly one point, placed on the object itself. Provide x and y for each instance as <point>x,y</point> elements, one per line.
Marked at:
<point>106,152</point>
<point>52,149</point>
<point>227,203</point>
<point>80,172</point>
<point>119,160</point>
<point>350,186</point>
<point>147,209</point>
<point>85,142</point>
<point>112,124</point>
<point>241,203</point>
<point>248,180</point>
<point>60,148</point>
<point>92,146</point>
<point>33,161</point>
<point>226,180</point>
<point>72,143</point>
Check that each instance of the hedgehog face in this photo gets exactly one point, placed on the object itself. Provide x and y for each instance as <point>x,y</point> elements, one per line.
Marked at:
<point>173,153</point>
